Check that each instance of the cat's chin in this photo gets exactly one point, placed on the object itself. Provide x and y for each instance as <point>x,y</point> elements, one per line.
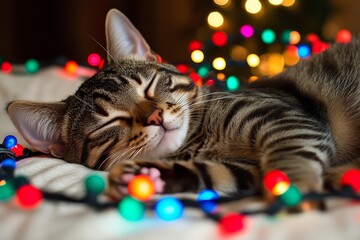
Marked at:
<point>170,141</point>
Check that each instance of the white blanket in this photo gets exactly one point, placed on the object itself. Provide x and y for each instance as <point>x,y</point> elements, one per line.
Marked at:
<point>60,220</point>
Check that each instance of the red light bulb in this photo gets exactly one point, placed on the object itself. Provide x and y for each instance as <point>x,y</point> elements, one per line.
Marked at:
<point>351,178</point>
<point>29,197</point>
<point>94,59</point>
<point>231,223</point>
<point>196,78</point>
<point>219,38</point>
<point>343,36</point>
<point>18,150</point>
<point>273,177</point>
<point>195,45</point>
<point>182,68</point>
<point>6,67</point>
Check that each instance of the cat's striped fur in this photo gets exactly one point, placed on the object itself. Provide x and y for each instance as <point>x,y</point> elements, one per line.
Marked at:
<point>137,113</point>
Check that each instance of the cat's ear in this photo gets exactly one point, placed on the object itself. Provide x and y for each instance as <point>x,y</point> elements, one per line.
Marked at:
<point>39,124</point>
<point>124,40</point>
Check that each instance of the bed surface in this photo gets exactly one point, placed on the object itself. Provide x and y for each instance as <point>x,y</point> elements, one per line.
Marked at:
<point>60,220</point>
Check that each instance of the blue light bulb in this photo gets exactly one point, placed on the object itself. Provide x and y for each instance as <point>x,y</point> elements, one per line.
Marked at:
<point>8,163</point>
<point>304,51</point>
<point>207,194</point>
<point>10,141</point>
<point>169,208</point>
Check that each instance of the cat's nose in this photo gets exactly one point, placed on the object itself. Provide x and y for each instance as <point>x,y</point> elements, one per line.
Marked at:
<point>155,117</point>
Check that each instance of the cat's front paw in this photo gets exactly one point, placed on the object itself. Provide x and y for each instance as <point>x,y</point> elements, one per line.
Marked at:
<point>121,175</point>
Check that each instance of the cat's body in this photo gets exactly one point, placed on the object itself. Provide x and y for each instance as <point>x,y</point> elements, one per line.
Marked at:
<point>138,115</point>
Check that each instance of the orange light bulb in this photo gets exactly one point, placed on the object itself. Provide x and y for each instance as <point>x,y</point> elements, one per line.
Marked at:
<point>141,187</point>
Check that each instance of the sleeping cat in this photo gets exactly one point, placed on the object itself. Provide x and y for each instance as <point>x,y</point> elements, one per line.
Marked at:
<point>137,115</point>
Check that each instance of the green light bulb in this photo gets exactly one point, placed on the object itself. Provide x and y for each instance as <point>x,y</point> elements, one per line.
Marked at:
<point>233,83</point>
<point>131,209</point>
<point>203,71</point>
<point>32,66</point>
<point>7,191</point>
<point>285,36</point>
<point>268,36</point>
<point>95,184</point>
<point>292,197</point>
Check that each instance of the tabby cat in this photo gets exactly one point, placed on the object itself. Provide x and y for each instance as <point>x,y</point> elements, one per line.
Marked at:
<point>137,115</point>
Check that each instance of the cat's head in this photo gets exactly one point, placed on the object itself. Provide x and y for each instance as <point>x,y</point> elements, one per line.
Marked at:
<point>134,107</point>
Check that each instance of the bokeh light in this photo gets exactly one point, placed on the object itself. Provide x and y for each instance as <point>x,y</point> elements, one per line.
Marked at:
<point>221,2</point>
<point>203,71</point>
<point>285,36</point>
<point>295,37</point>
<point>288,3</point>
<point>215,19</point>
<point>94,59</point>
<point>71,67</point>
<point>197,56</point>
<point>195,45</point>
<point>275,2</point>
<point>219,38</point>
<point>253,60</point>
<point>221,76</point>
<point>304,51</point>
<point>32,65</point>
<point>232,83</point>
<point>238,53</point>
<point>268,36</point>
<point>271,64</point>
<point>291,56</point>
<point>6,67</point>
<point>247,31</point>
<point>253,6</point>
<point>343,36</point>
<point>219,63</point>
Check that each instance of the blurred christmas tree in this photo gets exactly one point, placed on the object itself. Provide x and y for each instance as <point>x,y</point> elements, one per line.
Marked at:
<point>247,39</point>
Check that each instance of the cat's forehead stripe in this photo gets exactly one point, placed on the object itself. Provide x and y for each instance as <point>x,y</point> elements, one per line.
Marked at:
<point>150,89</point>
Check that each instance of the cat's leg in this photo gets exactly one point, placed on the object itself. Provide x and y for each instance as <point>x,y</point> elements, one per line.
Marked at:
<point>227,178</point>
<point>300,159</point>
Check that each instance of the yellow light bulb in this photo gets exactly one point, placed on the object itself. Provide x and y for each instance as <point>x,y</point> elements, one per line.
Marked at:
<point>219,63</point>
<point>280,188</point>
<point>197,56</point>
<point>221,2</point>
<point>276,2</point>
<point>253,6</point>
<point>253,60</point>
<point>288,3</point>
<point>215,19</point>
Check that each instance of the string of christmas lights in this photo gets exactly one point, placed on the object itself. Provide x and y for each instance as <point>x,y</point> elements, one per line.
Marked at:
<point>21,192</point>
<point>70,67</point>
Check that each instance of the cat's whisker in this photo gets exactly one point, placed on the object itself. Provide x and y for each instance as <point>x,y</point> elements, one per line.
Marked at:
<point>108,53</point>
<point>112,156</point>
<point>180,98</point>
<point>211,100</point>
